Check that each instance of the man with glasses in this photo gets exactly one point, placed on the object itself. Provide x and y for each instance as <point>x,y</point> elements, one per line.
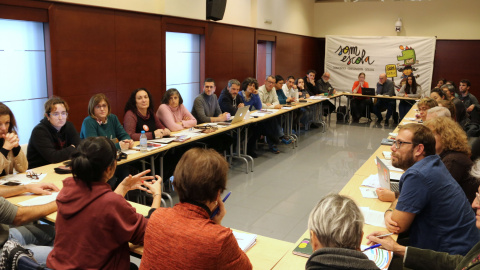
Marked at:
<point>54,139</point>
<point>385,88</point>
<point>323,86</point>
<point>271,128</point>
<point>431,206</point>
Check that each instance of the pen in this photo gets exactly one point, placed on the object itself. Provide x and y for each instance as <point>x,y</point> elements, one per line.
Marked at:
<point>372,247</point>
<point>383,235</point>
<point>215,212</point>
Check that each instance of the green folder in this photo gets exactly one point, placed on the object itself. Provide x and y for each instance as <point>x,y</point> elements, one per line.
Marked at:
<point>304,249</point>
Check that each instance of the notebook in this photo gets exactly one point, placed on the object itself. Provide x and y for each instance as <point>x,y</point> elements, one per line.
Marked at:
<point>384,177</point>
<point>245,240</point>
<point>304,249</point>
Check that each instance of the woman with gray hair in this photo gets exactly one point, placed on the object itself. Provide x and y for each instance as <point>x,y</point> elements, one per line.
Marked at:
<point>336,231</point>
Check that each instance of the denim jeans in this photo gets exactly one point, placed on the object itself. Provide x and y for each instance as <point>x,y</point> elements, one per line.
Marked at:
<point>36,237</point>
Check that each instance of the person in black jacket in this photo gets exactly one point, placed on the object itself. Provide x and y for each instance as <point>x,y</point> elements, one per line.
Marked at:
<point>229,99</point>
<point>54,139</point>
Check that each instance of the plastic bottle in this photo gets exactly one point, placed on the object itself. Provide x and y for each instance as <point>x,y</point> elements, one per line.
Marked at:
<point>143,142</point>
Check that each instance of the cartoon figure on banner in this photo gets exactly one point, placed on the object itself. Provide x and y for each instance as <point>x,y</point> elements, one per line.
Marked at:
<point>409,59</point>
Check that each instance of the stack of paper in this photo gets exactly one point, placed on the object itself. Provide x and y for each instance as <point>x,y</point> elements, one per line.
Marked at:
<point>373,217</point>
<point>245,240</point>
<point>150,146</point>
<point>39,200</point>
<point>21,179</point>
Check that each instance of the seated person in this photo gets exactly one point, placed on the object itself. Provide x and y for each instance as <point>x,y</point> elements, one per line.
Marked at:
<point>424,259</point>
<point>308,113</point>
<point>282,98</point>
<point>460,110</point>
<point>54,139</point>
<point>360,104</point>
<point>36,237</point>
<point>12,156</point>
<point>185,236</point>
<point>173,114</point>
<point>440,82</point>
<point>290,89</point>
<point>385,87</point>
<point>140,115</point>
<point>229,99</point>
<point>336,231</point>
<point>309,81</point>
<point>438,112</point>
<point>431,206</point>
<point>101,122</point>
<point>249,96</point>
<point>424,105</point>
<point>451,144</point>
<point>205,107</point>
<point>271,128</point>
<point>323,86</point>
<point>410,89</point>
<point>449,106</point>
<point>207,110</point>
<point>95,224</point>
<point>437,94</point>
<point>302,91</point>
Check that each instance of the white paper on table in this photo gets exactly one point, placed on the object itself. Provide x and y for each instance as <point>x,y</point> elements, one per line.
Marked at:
<point>393,134</point>
<point>257,114</point>
<point>368,192</point>
<point>372,217</point>
<point>371,181</point>
<point>387,155</point>
<point>40,200</point>
<point>318,97</point>
<point>163,140</point>
<point>129,151</point>
<point>21,178</point>
<point>410,118</point>
<point>287,108</point>
<point>245,240</point>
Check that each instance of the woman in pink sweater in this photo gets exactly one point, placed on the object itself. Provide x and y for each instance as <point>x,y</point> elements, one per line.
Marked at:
<point>173,114</point>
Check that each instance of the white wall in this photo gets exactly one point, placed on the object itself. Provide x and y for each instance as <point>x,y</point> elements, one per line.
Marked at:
<point>446,19</point>
<point>291,16</point>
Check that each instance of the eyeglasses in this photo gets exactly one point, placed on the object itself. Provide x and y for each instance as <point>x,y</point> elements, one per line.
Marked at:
<point>399,144</point>
<point>33,175</point>
<point>269,82</point>
<point>104,106</point>
<point>478,197</point>
<point>57,114</point>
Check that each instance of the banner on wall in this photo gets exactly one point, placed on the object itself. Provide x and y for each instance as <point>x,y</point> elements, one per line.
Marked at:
<point>398,57</point>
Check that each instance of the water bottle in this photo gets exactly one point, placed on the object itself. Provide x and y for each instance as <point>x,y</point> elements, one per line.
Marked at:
<point>143,142</point>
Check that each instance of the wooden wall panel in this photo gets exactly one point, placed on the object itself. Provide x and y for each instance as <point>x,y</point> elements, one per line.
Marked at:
<point>456,60</point>
<point>137,32</point>
<point>230,53</point>
<point>82,72</point>
<point>83,28</point>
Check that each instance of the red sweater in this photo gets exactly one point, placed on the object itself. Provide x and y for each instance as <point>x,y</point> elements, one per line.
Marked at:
<point>184,237</point>
<point>93,228</point>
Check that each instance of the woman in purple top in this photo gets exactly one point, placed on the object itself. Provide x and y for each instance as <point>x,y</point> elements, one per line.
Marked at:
<point>173,113</point>
<point>139,115</point>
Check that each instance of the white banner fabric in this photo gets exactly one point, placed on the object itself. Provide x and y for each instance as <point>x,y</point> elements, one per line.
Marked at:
<point>347,56</point>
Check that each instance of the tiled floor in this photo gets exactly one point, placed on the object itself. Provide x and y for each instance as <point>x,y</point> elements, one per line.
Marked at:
<point>275,200</point>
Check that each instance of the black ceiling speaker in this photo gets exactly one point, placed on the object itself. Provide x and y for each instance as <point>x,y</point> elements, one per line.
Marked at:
<point>216,9</point>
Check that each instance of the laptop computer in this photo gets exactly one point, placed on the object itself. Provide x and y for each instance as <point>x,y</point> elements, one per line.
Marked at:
<point>330,91</point>
<point>384,177</point>
<point>239,116</point>
<point>368,91</point>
